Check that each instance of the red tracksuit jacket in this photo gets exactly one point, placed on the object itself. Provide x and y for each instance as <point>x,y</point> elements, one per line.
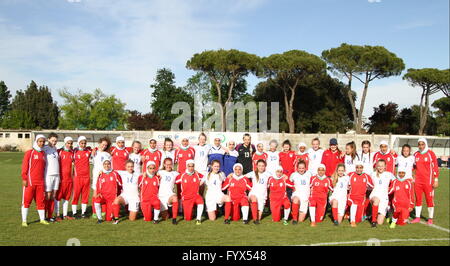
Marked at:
<point>426,167</point>
<point>149,187</point>
<point>190,184</point>
<point>33,167</point>
<point>109,185</point>
<point>237,188</point>
<point>277,188</point>
<point>65,164</point>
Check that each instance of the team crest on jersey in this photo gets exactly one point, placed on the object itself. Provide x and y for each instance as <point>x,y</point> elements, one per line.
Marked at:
<point>195,180</point>
<point>146,182</point>
<point>181,155</point>
<point>281,184</point>
<point>189,156</point>
<point>388,159</point>
<point>111,179</point>
<point>185,181</point>
<point>290,155</point>
<point>36,157</point>
<point>426,159</point>
<point>406,186</point>
<point>154,183</point>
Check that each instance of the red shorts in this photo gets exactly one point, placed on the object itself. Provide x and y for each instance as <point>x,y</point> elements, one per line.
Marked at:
<point>81,188</point>
<point>237,204</point>
<point>148,206</point>
<point>428,190</point>
<point>65,191</point>
<point>321,205</point>
<point>275,207</point>
<point>188,205</point>
<point>35,192</point>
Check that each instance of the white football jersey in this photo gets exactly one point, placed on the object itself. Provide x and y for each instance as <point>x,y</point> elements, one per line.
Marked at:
<point>130,184</point>
<point>201,158</point>
<point>51,160</point>
<point>137,159</point>
<point>407,163</point>
<point>350,163</point>
<point>213,184</point>
<point>98,166</point>
<point>315,159</point>
<point>273,160</point>
<point>341,188</point>
<point>167,182</point>
<point>367,160</point>
<point>381,183</point>
<point>301,182</point>
<point>259,187</point>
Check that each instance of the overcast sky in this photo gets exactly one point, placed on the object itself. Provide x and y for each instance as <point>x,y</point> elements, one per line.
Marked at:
<point>118,45</point>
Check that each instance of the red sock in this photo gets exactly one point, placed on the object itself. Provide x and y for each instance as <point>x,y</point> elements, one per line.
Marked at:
<point>255,211</point>
<point>174,209</point>
<point>227,210</point>
<point>335,214</point>
<point>295,208</point>
<point>366,204</point>
<point>116,210</point>
<point>374,213</point>
<point>103,207</point>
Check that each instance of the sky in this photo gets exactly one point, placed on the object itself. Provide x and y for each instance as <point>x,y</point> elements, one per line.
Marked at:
<point>118,45</point>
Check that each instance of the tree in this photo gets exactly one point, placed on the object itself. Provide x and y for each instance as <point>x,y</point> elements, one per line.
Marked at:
<point>92,111</point>
<point>321,104</point>
<point>442,115</point>
<point>17,119</point>
<point>431,80</point>
<point>383,120</point>
<point>138,121</point>
<point>165,94</point>
<point>225,68</point>
<point>365,64</point>
<point>5,98</point>
<point>38,105</point>
<point>286,70</point>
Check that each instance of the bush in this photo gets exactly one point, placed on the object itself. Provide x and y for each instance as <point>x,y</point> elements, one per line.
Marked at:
<point>8,147</point>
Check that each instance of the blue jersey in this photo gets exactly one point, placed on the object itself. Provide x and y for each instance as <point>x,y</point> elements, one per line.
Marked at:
<point>229,160</point>
<point>216,153</point>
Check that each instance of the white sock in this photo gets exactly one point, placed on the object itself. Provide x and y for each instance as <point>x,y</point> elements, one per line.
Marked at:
<point>312,214</point>
<point>430,212</point>
<point>394,220</point>
<point>57,208</point>
<point>74,209</point>
<point>244,210</point>
<point>24,214</point>
<point>83,208</point>
<point>199,211</point>
<point>98,209</point>
<point>418,211</point>
<point>353,210</point>
<point>156,214</point>
<point>41,214</point>
<point>286,213</point>
<point>65,207</point>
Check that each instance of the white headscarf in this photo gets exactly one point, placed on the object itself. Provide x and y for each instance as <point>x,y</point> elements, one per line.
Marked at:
<point>120,138</point>
<point>257,143</point>
<point>424,140</point>
<point>184,147</point>
<point>234,168</point>
<point>67,139</point>
<point>146,167</point>
<point>80,139</point>
<point>188,162</point>
<point>302,144</point>
<point>325,168</point>
<point>104,170</point>
<point>384,142</point>
<point>401,169</point>
<point>278,168</point>
<point>35,145</point>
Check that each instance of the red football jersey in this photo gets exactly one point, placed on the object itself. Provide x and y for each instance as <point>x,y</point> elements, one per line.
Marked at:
<point>65,164</point>
<point>331,160</point>
<point>81,162</point>
<point>33,167</point>
<point>426,167</point>
<point>320,188</point>
<point>119,158</point>
<point>287,161</point>
<point>148,187</point>
<point>190,184</point>
<point>181,156</point>
<point>359,184</point>
<point>403,193</point>
<point>237,187</point>
<point>303,157</point>
<point>109,185</point>
<point>277,188</point>
<point>256,158</point>
<point>147,156</point>
<point>388,157</point>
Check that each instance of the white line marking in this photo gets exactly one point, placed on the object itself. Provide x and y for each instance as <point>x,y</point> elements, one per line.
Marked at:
<point>382,241</point>
<point>436,227</point>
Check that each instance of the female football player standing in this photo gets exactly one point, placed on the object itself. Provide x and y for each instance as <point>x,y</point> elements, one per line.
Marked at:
<point>366,157</point>
<point>315,156</point>
<point>302,155</point>
<point>33,173</point>
<point>259,154</point>
<point>52,175</point>
<point>258,193</point>
<point>99,154</point>
<point>66,173</point>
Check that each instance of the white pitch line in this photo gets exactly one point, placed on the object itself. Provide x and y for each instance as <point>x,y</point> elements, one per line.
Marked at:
<point>436,227</point>
<point>381,241</point>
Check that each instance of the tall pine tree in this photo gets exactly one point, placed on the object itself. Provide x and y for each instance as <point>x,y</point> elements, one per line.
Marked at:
<point>5,99</point>
<point>38,105</point>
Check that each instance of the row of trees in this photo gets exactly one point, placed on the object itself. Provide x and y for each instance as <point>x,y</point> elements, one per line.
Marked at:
<point>312,100</point>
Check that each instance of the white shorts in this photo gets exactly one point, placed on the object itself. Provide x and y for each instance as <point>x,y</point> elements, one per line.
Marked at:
<point>261,200</point>
<point>132,201</point>
<point>212,200</point>
<point>165,201</point>
<point>383,206</point>
<point>304,201</point>
<point>342,203</point>
<point>51,183</point>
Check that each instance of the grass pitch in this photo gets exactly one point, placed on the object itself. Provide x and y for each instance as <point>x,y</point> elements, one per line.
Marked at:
<point>208,233</point>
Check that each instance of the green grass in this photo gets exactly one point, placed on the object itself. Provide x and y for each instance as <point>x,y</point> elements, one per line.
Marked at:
<point>187,233</point>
